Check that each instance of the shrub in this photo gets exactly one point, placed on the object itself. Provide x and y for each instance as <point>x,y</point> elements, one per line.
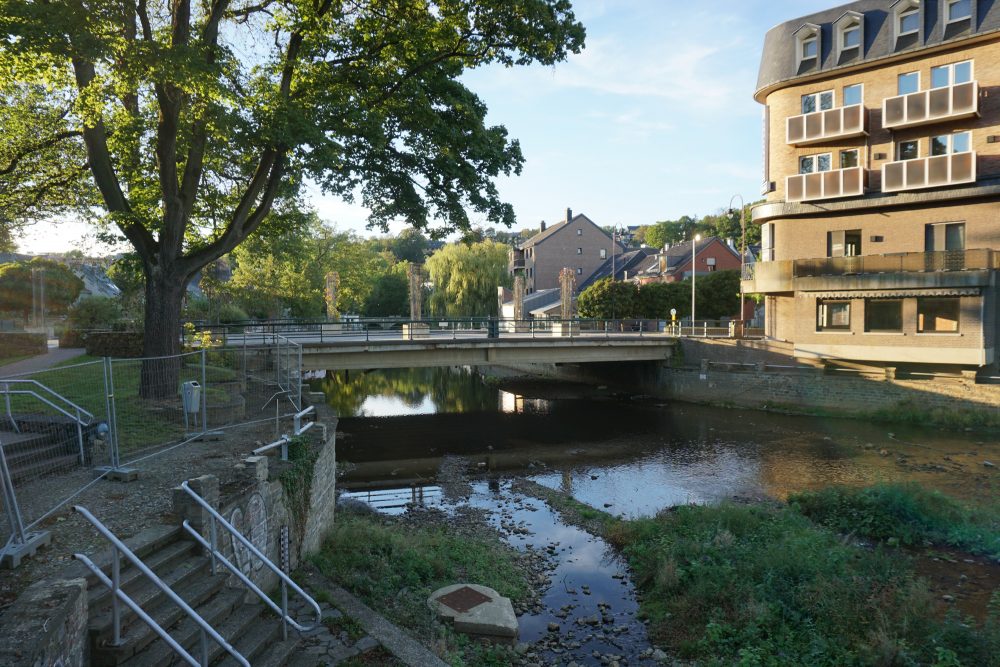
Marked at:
<point>95,312</point>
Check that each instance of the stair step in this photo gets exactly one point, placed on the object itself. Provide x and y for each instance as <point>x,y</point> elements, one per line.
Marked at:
<point>165,612</point>
<point>254,640</point>
<point>13,442</point>
<point>146,594</point>
<point>142,544</point>
<point>42,467</point>
<point>161,561</point>
<point>233,628</point>
<point>187,633</point>
<point>280,652</point>
<point>41,451</point>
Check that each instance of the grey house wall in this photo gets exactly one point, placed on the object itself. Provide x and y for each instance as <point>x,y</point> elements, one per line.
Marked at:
<point>577,244</point>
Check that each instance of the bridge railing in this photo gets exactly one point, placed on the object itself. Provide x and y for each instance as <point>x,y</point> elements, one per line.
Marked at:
<point>272,332</point>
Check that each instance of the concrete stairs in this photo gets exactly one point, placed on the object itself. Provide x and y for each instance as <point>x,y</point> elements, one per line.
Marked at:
<point>32,454</point>
<point>249,626</point>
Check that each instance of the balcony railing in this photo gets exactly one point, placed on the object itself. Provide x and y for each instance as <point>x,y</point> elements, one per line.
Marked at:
<point>929,172</point>
<point>907,262</point>
<point>931,106</point>
<point>516,264</point>
<point>825,185</point>
<point>818,126</point>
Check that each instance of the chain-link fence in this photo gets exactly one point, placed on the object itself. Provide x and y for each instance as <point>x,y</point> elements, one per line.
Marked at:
<point>60,426</point>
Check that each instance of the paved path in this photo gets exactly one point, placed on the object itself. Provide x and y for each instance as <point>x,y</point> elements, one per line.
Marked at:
<point>54,356</point>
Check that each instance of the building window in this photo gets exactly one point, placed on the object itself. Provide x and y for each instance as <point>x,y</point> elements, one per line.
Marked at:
<point>883,315</point>
<point>958,10</point>
<point>710,262</point>
<point>849,158</point>
<point>579,271</point>
<point>813,163</point>
<point>833,315</point>
<point>944,236</point>
<point>604,253</point>
<point>908,150</point>
<point>579,251</point>
<point>908,20</point>
<point>807,46</point>
<point>853,95</point>
<point>951,75</point>
<point>945,144</point>
<point>843,243</point>
<point>817,101</point>
<point>938,315</point>
<point>908,83</point>
<point>579,232</point>
<point>850,34</point>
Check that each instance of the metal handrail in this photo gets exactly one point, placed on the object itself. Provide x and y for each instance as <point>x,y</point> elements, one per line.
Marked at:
<point>81,411</point>
<point>118,594</point>
<point>286,581</point>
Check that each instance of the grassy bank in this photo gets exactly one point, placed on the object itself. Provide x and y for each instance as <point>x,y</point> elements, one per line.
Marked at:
<point>905,514</point>
<point>394,564</point>
<point>763,585</point>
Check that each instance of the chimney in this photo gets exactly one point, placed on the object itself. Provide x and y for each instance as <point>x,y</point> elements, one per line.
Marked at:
<point>541,227</point>
<point>666,247</point>
<point>569,214</point>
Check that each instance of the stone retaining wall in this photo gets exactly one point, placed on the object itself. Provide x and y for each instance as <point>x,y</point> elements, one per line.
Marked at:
<point>47,626</point>
<point>14,344</point>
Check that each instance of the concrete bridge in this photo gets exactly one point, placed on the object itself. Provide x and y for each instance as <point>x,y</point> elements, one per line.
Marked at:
<point>443,351</point>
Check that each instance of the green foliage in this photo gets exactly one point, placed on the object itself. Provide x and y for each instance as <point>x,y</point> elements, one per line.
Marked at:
<point>390,294</point>
<point>95,312</point>
<point>718,295</point>
<point>296,478</point>
<point>466,277</point>
<point>608,299</point>
<point>155,122</point>
<point>725,225</point>
<point>656,300</point>
<point>903,514</point>
<point>410,245</point>
<point>761,585</point>
<point>61,285</point>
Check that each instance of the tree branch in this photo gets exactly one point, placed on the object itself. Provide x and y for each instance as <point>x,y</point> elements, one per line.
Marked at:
<point>30,150</point>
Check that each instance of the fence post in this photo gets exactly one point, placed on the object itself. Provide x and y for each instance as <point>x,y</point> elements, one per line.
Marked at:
<point>298,374</point>
<point>204,393</point>
<point>10,501</point>
<point>109,385</point>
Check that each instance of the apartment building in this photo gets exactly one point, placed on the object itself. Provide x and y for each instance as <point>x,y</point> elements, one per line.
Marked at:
<point>881,225</point>
<point>576,243</point>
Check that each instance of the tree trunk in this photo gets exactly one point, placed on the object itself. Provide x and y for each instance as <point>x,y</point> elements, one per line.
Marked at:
<point>162,339</point>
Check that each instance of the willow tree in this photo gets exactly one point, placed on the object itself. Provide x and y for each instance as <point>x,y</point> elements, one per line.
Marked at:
<point>181,125</point>
<point>465,278</point>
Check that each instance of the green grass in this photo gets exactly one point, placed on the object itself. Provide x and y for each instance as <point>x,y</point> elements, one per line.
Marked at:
<point>903,514</point>
<point>763,585</point>
<point>394,567</point>
<point>14,359</point>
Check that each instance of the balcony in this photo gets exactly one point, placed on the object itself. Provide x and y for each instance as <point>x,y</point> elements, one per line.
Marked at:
<point>911,270</point>
<point>929,172</point>
<point>825,185</point>
<point>820,126</point>
<point>931,106</point>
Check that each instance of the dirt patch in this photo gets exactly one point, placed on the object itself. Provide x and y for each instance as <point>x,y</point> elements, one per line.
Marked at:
<point>959,580</point>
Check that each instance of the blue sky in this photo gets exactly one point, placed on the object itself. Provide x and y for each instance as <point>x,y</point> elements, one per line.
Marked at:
<point>654,120</point>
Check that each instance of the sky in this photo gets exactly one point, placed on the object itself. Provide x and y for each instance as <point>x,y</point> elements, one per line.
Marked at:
<point>655,119</point>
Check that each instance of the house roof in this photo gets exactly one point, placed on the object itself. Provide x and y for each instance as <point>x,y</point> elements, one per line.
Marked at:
<point>678,255</point>
<point>629,262</point>
<point>554,229</point>
<point>779,63</point>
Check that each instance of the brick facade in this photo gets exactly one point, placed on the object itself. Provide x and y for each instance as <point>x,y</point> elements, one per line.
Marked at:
<point>576,243</point>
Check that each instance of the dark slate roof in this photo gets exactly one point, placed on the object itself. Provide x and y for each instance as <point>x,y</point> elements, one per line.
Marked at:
<point>676,255</point>
<point>549,231</point>
<point>541,299</point>
<point>628,261</point>
<point>778,59</point>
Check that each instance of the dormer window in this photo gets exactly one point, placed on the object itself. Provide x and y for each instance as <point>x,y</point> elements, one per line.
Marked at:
<point>957,10</point>
<point>849,29</point>
<point>906,23</point>
<point>807,45</point>
<point>909,21</point>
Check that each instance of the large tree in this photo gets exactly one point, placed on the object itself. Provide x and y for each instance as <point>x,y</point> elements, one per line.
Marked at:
<point>465,278</point>
<point>186,122</point>
<point>25,286</point>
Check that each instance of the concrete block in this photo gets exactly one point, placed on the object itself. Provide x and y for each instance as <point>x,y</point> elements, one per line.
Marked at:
<point>475,610</point>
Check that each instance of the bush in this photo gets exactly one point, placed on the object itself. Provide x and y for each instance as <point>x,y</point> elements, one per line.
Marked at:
<point>95,312</point>
<point>902,514</point>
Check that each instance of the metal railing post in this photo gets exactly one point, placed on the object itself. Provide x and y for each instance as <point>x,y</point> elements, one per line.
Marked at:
<point>204,393</point>
<point>10,501</point>
<point>284,610</point>
<point>113,415</point>
<point>213,536</point>
<point>116,613</point>
<point>10,414</point>
<point>204,648</point>
<point>79,437</point>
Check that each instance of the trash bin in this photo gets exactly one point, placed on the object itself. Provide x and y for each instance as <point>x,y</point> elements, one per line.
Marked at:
<point>191,400</point>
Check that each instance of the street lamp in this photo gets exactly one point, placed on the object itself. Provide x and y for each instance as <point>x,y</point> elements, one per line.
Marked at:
<point>616,230</point>
<point>694,244</point>
<point>743,245</point>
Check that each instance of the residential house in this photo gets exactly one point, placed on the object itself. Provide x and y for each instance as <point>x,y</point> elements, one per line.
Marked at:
<point>576,243</point>
<point>882,177</point>
<point>673,263</point>
<point>624,266</point>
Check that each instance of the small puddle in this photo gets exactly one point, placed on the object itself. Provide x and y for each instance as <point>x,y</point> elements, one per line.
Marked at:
<point>589,594</point>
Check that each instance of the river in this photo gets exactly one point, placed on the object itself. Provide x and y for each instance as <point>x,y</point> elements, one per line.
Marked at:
<point>630,456</point>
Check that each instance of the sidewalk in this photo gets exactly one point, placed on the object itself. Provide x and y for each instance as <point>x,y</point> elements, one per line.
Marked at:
<point>54,356</point>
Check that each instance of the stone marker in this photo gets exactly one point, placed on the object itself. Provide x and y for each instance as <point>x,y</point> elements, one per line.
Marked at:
<point>475,610</point>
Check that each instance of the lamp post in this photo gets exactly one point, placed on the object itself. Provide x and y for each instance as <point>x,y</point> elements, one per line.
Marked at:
<point>694,245</point>
<point>743,244</point>
<point>616,230</point>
